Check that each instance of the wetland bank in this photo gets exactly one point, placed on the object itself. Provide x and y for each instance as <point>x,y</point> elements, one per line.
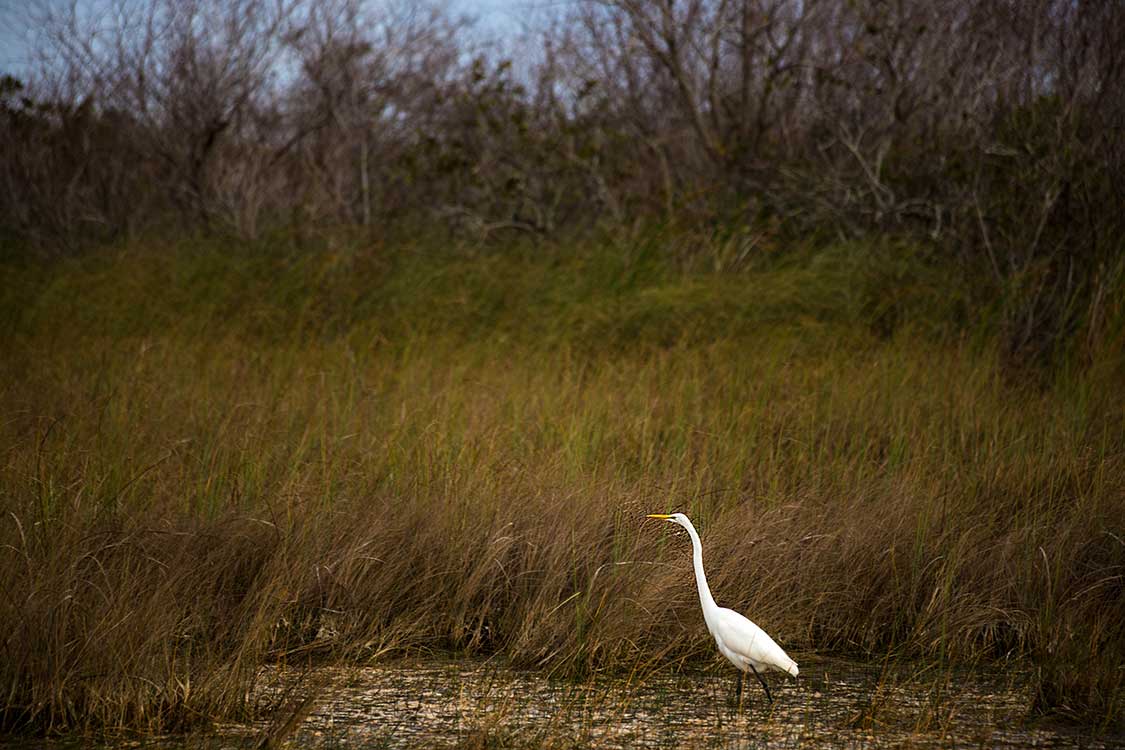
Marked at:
<point>219,463</point>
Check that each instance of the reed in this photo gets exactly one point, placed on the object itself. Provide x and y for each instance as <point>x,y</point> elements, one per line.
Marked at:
<point>216,458</point>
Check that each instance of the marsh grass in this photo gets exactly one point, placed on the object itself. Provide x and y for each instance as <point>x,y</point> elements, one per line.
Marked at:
<point>216,458</point>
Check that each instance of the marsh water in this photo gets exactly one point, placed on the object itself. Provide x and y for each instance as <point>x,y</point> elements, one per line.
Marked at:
<point>475,704</point>
<point>834,703</point>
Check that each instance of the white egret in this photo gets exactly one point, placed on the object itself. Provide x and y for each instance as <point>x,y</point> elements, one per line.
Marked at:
<point>743,643</point>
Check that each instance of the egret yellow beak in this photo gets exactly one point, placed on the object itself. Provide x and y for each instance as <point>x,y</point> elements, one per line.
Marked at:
<point>658,515</point>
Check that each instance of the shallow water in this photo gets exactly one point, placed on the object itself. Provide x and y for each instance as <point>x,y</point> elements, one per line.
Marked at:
<point>833,704</point>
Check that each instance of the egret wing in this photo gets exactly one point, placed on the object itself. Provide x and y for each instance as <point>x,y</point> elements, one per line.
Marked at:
<point>751,643</point>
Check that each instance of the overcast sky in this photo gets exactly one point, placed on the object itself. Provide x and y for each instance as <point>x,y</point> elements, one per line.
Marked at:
<point>500,17</point>
<point>12,51</point>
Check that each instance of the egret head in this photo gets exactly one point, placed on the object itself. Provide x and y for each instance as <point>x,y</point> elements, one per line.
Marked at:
<point>676,518</point>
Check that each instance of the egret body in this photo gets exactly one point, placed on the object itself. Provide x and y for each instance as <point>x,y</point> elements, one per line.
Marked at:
<point>743,643</point>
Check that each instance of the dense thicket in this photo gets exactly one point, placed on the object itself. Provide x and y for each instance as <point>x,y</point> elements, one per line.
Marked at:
<point>990,131</point>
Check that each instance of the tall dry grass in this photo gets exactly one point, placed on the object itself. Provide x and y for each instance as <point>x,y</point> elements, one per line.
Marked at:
<point>212,459</point>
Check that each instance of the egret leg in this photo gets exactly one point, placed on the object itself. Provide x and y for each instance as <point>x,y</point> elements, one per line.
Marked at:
<point>738,692</point>
<point>764,685</point>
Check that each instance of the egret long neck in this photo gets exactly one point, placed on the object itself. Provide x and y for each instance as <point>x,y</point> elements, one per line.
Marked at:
<point>705,598</point>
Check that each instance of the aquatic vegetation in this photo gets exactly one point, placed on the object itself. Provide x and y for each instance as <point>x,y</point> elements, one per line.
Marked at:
<point>216,459</point>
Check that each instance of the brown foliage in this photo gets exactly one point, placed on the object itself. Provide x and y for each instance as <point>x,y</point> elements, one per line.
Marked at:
<point>989,132</point>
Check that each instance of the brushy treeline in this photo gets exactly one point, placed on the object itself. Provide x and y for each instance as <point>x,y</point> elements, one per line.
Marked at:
<point>987,129</point>
<point>217,457</point>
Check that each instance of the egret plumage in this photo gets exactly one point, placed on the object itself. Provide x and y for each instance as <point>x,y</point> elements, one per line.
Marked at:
<point>743,643</point>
